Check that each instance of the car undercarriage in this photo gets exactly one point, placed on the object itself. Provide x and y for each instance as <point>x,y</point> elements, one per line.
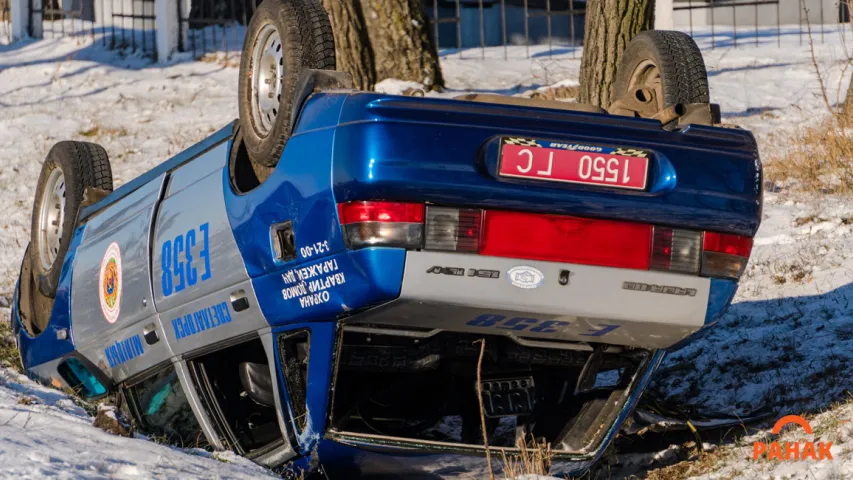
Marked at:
<point>431,387</point>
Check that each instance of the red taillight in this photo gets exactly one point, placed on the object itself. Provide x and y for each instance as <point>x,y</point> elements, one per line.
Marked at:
<point>725,255</point>
<point>384,224</point>
<point>534,236</point>
<point>566,239</point>
<point>728,244</point>
<point>359,212</point>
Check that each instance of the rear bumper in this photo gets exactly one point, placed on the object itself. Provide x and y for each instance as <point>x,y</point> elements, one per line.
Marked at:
<point>580,303</point>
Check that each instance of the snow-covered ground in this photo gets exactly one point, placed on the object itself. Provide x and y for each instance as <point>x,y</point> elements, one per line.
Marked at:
<point>43,433</point>
<point>786,344</point>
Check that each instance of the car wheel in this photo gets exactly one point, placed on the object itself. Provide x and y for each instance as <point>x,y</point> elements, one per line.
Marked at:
<point>33,307</point>
<point>667,62</point>
<point>70,167</point>
<point>284,37</point>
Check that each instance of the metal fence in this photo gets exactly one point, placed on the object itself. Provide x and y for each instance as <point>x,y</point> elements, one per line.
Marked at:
<point>748,19</point>
<point>467,26</point>
<point>122,24</point>
<point>61,18</point>
<point>129,24</point>
<point>504,23</point>
<point>213,26</point>
<point>731,6</point>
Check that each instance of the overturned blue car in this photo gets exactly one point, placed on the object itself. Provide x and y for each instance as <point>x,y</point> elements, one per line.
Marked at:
<point>364,283</point>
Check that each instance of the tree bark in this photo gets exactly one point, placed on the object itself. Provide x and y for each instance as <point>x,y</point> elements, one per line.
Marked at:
<point>847,108</point>
<point>402,45</point>
<point>610,25</point>
<point>352,45</point>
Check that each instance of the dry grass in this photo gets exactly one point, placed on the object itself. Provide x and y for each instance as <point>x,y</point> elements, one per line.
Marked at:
<point>108,420</point>
<point>704,463</point>
<point>818,159</point>
<point>99,131</point>
<point>8,351</point>
<point>534,459</point>
<point>27,400</point>
<point>225,60</point>
<point>482,342</point>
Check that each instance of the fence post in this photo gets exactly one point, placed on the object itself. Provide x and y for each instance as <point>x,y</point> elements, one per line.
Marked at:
<point>166,24</point>
<point>19,12</point>
<point>104,17</point>
<point>663,15</point>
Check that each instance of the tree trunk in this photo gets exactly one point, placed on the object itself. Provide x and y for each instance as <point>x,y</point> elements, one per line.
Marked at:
<point>402,44</point>
<point>352,46</point>
<point>847,109</point>
<point>610,25</point>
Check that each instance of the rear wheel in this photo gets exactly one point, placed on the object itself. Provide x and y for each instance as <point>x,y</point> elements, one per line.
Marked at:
<point>69,169</point>
<point>667,62</point>
<point>283,38</point>
<point>33,307</point>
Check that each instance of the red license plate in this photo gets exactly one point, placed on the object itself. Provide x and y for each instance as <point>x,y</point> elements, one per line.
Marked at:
<point>574,163</point>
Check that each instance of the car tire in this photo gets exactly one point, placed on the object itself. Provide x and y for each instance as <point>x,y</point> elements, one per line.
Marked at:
<point>34,308</point>
<point>69,169</point>
<point>283,38</point>
<point>668,62</point>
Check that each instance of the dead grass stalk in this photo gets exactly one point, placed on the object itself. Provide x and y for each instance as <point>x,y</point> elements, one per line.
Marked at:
<point>482,342</point>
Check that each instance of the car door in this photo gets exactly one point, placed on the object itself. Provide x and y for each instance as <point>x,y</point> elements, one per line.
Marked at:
<point>205,298</point>
<point>201,288</point>
<point>115,324</point>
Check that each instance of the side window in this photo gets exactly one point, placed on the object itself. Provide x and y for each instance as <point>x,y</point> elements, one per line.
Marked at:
<point>236,386</point>
<point>81,379</point>
<point>160,406</point>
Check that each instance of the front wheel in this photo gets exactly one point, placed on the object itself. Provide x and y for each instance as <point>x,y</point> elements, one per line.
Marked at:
<point>70,168</point>
<point>283,38</point>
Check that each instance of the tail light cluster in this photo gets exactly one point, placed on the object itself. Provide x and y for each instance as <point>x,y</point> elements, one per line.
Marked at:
<point>535,236</point>
<point>386,224</point>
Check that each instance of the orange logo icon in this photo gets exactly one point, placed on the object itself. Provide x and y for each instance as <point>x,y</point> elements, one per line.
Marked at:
<point>792,450</point>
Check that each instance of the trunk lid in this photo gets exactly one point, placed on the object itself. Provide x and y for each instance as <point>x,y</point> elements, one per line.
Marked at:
<point>448,152</point>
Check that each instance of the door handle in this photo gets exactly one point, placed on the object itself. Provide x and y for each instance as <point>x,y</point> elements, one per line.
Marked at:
<point>239,301</point>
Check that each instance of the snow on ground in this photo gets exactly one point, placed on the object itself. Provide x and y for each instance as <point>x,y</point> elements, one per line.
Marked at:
<point>787,342</point>
<point>785,345</point>
<point>43,433</point>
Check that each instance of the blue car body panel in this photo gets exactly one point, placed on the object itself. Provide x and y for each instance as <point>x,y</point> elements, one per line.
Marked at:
<point>360,146</point>
<point>703,178</point>
<point>58,339</point>
<point>165,167</point>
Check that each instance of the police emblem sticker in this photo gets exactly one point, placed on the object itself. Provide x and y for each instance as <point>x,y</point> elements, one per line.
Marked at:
<point>109,283</point>
<point>525,277</point>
